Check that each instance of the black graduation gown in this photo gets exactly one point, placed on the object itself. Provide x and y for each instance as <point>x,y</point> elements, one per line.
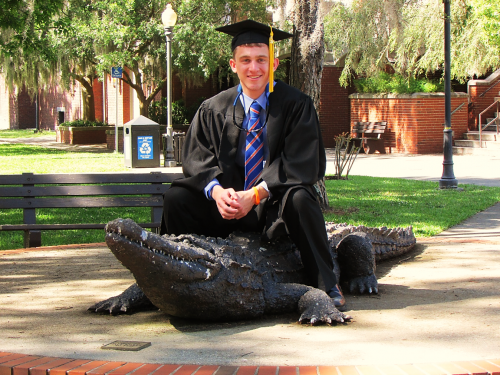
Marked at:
<point>296,152</point>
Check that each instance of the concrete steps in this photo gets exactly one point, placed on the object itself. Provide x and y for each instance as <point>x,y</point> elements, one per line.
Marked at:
<point>471,145</point>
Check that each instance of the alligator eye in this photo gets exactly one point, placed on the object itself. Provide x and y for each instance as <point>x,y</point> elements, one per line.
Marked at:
<point>186,241</point>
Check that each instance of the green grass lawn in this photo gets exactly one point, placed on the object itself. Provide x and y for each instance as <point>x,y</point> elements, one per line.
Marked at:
<point>25,133</point>
<point>369,201</point>
<point>22,158</point>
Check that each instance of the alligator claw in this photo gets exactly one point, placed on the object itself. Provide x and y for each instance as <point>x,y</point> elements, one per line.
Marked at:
<point>131,299</point>
<point>362,284</point>
<point>316,308</point>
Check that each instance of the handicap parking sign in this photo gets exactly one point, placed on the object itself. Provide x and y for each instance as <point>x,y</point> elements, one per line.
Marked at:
<point>145,147</point>
<point>116,72</point>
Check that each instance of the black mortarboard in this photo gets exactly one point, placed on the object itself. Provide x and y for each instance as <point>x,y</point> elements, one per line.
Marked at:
<point>250,31</point>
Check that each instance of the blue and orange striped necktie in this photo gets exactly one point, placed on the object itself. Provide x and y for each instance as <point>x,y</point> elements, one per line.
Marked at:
<point>254,151</point>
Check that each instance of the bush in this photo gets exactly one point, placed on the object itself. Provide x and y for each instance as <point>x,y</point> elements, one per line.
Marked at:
<point>396,84</point>
<point>181,115</point>
<point>84,123</point>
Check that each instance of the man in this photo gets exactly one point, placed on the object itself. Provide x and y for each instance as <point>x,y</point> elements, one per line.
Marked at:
<point>250,159</point>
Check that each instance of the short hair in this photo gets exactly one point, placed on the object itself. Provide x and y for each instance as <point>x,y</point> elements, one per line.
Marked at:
<point>248,45</point>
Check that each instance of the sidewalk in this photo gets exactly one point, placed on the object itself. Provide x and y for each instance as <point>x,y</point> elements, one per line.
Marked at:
<point>439,304</point>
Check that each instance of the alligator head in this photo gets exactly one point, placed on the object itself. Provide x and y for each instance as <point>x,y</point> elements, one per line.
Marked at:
<point>183,275</point>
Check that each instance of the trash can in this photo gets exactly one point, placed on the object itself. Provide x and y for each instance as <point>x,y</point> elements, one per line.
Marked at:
<point>178,142</point>
<point>141,143</point>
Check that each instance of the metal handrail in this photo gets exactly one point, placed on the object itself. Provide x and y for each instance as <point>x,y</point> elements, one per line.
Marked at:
<point>489,88</point>
<point>497,119</point>
<point>456,109</point>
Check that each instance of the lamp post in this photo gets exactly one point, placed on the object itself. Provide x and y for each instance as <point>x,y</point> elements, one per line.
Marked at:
<point>169,18</point>
<point>448,180</point>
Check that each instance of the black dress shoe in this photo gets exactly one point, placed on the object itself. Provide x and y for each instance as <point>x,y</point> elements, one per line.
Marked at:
<point>338,298</point>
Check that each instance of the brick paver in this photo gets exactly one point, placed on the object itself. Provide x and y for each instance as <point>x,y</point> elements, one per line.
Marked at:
<point>22,364</point>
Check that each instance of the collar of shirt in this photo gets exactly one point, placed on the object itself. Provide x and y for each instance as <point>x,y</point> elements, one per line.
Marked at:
<point>246,102</point>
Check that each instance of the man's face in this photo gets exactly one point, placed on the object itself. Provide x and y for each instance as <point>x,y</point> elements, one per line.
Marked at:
<point>251,64</point>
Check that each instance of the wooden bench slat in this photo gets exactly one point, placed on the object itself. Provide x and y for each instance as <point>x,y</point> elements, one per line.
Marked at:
<point>12,227</point>
<point>76,190</point>
<point>369,133</point>
<point>77,202</point>
<point>89,178</point>
<point>368,123</point>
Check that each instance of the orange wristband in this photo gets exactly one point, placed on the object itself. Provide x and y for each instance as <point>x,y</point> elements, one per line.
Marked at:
<point>257,199</point>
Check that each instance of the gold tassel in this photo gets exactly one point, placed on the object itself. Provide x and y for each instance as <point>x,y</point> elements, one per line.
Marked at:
<point>271,61</point>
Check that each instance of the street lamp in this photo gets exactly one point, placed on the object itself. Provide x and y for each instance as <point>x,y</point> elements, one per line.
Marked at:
<point>448,180</point>
<point>169,18</point>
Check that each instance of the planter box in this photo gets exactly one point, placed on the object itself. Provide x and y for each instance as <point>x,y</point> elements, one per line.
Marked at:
<point>110,139</point>
<point>414,122</point>
<point>82,135</point>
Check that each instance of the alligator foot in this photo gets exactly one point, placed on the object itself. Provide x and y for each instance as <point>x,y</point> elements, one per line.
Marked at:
<point>316,308</point>
<point>132,299</point>
<point>357,262</point>
<point>364,284</point>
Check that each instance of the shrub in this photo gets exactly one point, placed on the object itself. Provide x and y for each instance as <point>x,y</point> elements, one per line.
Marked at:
<point>181,115</point>
<point>84,123</point>
<point>345,155</point>
<point>396,84</point>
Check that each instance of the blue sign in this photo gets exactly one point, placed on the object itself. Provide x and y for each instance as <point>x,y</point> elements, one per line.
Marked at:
<point>145,147</point>
<point>116,72</point>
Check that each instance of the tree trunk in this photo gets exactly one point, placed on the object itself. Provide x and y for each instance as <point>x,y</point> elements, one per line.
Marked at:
<point>144,101</point>
<point>308,49</point>
<point>306,69</point>
<point>88,110</point>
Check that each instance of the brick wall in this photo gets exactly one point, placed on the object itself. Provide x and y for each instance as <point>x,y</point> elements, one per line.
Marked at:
<point>192,93</point>
<point>334,112</point>
<point>489,88</point>
<point>97,89</point>
<point>27,110</point>
<point>110,139</point>
<point>56,96</point>
<point>414,122</point>
<point>126,102</point>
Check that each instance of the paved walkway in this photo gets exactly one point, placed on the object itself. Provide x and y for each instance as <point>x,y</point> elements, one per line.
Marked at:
<point>438,311</point>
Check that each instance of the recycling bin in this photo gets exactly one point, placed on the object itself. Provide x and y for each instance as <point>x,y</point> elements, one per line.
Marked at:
<point>141,143</point>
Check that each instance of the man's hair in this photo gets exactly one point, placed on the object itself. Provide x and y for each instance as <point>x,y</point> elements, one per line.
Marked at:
<point>248,45</point>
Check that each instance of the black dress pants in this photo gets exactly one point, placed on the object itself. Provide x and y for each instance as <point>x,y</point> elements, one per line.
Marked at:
<point>188,211</point>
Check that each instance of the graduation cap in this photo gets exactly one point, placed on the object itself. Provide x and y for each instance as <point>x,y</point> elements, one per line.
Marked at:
<point>249,31</point>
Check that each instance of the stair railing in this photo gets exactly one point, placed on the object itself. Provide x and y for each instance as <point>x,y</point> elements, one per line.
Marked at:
<point>496,120</point>
<point>489,88</point>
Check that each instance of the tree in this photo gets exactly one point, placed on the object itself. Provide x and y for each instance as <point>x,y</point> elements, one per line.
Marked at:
<point>307,55</point>
<point>45,46</point>
<point>408,36</point>
<point>24,46</point>
<point>79,40</point>
<point>308,48</point>
<point>130,34</point>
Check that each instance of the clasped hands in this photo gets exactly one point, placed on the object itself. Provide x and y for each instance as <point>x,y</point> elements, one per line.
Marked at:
<point>235,204</point>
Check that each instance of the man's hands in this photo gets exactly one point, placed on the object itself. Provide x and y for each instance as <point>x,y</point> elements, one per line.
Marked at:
<point>235,204</point>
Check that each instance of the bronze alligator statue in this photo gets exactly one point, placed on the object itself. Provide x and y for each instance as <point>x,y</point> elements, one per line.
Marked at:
<point>240,277</point>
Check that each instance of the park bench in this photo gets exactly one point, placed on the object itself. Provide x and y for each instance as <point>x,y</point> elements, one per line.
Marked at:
<point>368,136</point>
<point>31,192</point>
